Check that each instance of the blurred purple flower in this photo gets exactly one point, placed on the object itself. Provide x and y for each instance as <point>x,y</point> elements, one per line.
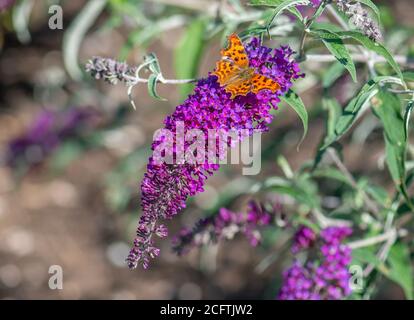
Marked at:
<point>166,187</point>
<point>325,277</point>
<point>5,4</point>
<point>307,10</point>
<point>304,238</point>
<point>48,130</point>
<point>315,3</point>
<point>225,225</point>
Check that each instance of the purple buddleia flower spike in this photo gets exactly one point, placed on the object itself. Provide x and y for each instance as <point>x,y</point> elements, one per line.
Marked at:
<point>224,226</point>
<point>304,238</point>
<point>166,187</point>
<point>326,275</point>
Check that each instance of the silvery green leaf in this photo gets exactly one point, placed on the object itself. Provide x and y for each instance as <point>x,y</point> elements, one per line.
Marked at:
<point>293,100</point>
<point>76,32</point>
<point>152,86</point>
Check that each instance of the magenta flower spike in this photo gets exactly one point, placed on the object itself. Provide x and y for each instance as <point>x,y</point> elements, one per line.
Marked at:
<point>166,187</point>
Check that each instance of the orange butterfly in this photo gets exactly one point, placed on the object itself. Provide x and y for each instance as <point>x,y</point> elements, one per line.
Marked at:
<point>234,73</point>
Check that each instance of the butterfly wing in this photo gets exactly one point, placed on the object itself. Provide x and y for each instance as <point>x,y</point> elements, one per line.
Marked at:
<point>235,52</point>
<point>240,87</point>
<point>260,82</point>
<point>225,71</point>
<point>233,61</point>
<point>234,74</point>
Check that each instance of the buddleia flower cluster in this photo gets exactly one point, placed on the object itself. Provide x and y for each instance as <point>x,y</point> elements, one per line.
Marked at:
<point>166,187</point>
<point>359,17</point>
<point>225,225</point>
<point>324,275</point>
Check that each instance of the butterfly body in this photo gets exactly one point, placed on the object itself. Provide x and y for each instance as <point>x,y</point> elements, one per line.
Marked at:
<point>235,75</point>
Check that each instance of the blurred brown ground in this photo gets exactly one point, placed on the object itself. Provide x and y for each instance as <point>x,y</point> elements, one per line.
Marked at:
<point>50,219</point>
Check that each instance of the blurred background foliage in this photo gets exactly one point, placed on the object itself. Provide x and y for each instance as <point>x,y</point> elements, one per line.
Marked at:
<point>73,149</point>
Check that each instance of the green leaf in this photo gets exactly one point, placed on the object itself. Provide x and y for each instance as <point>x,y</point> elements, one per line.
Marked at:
<point>153,64</point>
<point>367,255</point>
<point>269,183</point>
<point>267,3</point>
<point>270,3</point>
<point>303,190</point>
<point>152,86</point>
<point>252,31</point>
<point>131,9</point>
<point>379,194</point>
<point>285,5</point>
<point>188,53</point>
<point>387,108</point>
<point>20,18</point>
<point>351,112</point>
<point>407,115</point>
<point>408,76</point>
<point>275,3</point>
<point>292,99</point>
<point>395,164</point>
<point>257,28</point>
<point>138,38</point>
<point>295,11</point>
<point>334,112</point>
<point>331,173</point>
<point>285,166</point>
<point>373,46</point>
<point>143,36</point>
<point>335,45</point>
<point>361,256</point>
<point>76,32</point>
<point>323,25</point>
<point>401,268</point>
<point>353,109</point>
<point>374,8</point>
